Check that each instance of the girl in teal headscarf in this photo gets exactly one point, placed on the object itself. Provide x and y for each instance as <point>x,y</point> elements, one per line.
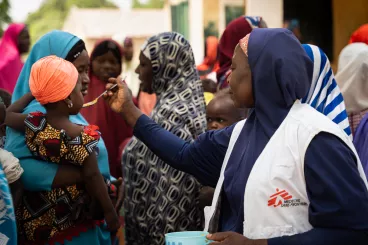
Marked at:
<point>52,192</point>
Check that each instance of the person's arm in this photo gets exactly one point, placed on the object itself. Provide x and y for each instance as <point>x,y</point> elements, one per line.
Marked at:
<point>338,209</point>
<point>67,175</point>
<point>203,158</point>
<point>14,117</point>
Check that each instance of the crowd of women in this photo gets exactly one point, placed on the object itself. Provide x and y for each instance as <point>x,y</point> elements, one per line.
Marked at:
<point>260,144</point>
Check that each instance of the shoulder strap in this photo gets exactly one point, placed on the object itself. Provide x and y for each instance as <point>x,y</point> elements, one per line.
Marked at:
<point>234,137</point>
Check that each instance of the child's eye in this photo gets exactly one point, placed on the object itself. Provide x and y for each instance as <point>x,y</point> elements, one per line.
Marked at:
<point>209,119</point>
<point>220,120</point>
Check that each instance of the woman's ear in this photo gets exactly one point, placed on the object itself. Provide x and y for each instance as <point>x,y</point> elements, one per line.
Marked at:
<point>69,102</point>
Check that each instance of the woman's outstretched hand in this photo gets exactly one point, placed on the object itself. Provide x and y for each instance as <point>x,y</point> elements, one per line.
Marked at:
<point>232,238</point>
<point>120,100</point>
<point>120,97</point>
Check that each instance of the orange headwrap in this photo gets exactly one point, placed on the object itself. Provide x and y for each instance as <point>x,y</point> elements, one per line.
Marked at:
<point>52,79</point>
<point>360,35</point>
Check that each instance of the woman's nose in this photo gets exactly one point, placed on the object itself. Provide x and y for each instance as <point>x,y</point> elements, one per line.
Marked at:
<point>85,79</point>
<point>106,65</point>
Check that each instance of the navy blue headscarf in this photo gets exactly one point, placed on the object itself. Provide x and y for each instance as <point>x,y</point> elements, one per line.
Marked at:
<point>281,73</point>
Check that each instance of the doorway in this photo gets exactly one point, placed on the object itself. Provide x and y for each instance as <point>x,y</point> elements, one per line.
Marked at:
<point>316,23</point>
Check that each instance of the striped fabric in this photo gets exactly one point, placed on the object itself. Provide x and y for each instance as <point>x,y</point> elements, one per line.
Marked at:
<point>254,21</point>
<point>324,94</point>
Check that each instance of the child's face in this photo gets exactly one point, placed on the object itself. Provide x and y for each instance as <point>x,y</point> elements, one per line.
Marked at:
<point>106,66</point>
<point>77,98</point>
<point>221,113</point>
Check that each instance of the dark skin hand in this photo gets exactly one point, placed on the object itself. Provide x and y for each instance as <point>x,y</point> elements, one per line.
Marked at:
<point>120,190</point>
<point>233,238</point>
<point>121,101</point>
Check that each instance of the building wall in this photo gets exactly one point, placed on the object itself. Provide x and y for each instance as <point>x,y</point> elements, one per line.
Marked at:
<point>348,16</point>
<point>271,11</point>
<point>211,9</point>
<point>196,34</point>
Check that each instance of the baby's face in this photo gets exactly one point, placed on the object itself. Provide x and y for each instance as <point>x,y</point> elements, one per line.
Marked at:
<point>221,113</point>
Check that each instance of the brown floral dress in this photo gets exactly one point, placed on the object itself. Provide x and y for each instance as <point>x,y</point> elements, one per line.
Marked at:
<point>52,216</point>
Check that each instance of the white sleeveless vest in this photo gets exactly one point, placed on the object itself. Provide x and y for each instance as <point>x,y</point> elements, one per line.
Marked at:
<point>275,199</point>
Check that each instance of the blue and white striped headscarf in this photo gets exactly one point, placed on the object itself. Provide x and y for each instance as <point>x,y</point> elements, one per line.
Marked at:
<point>254,21</point>
<point>324,94</point>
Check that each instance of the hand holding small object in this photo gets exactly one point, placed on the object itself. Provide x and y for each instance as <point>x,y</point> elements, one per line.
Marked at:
<point>105,92</point>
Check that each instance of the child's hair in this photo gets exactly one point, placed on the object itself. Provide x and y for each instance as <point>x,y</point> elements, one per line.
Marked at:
<point>209,86</point>
<point>223,93</point>
<point>52,79</point>
<point>6,97</point>
<point>105,47</point>
<point>226,94</point>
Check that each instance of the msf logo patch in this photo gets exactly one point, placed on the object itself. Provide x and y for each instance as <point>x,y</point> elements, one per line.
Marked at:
<point>282,198</point>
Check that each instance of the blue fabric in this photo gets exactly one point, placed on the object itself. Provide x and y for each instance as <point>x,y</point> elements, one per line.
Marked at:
<point>361,142</point>
<point>338,197</point>
<point>253,21</point>
<point>324,94</point>
<point>8,228</point>
<point>209,148</point>
<point>38,175</point>
<point>281,74</point>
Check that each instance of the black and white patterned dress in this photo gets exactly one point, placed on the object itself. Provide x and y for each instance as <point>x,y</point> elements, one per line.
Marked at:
<point>158,198</point>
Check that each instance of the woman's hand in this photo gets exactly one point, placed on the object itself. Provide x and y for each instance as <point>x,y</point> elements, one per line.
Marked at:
<point>120,98</point>
<point>121,101</point>
<point>232,238</point>
<point>120,190</point>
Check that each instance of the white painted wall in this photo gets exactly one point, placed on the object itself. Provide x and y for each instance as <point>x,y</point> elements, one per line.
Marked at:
<point>270,10</point>
<point>196,32</point>
<point>222,17</point>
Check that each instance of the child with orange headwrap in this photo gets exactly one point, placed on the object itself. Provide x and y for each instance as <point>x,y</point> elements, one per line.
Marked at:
<point>55,84</point>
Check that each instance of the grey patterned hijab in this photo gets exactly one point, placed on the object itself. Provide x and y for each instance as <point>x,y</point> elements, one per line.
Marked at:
<point>176,82</point>
<point>158,198</point>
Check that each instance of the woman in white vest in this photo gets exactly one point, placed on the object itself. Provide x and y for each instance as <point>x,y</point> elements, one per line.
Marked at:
<point>288,175</point>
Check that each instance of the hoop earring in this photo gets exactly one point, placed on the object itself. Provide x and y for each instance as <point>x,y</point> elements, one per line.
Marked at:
<point>70,105</point>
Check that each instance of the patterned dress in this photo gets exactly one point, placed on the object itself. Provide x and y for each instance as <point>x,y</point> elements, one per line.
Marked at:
<point>55,214</point>
<point>158,198</point>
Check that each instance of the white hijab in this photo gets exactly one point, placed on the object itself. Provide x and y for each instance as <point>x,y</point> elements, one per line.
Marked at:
<point>352,76</point>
